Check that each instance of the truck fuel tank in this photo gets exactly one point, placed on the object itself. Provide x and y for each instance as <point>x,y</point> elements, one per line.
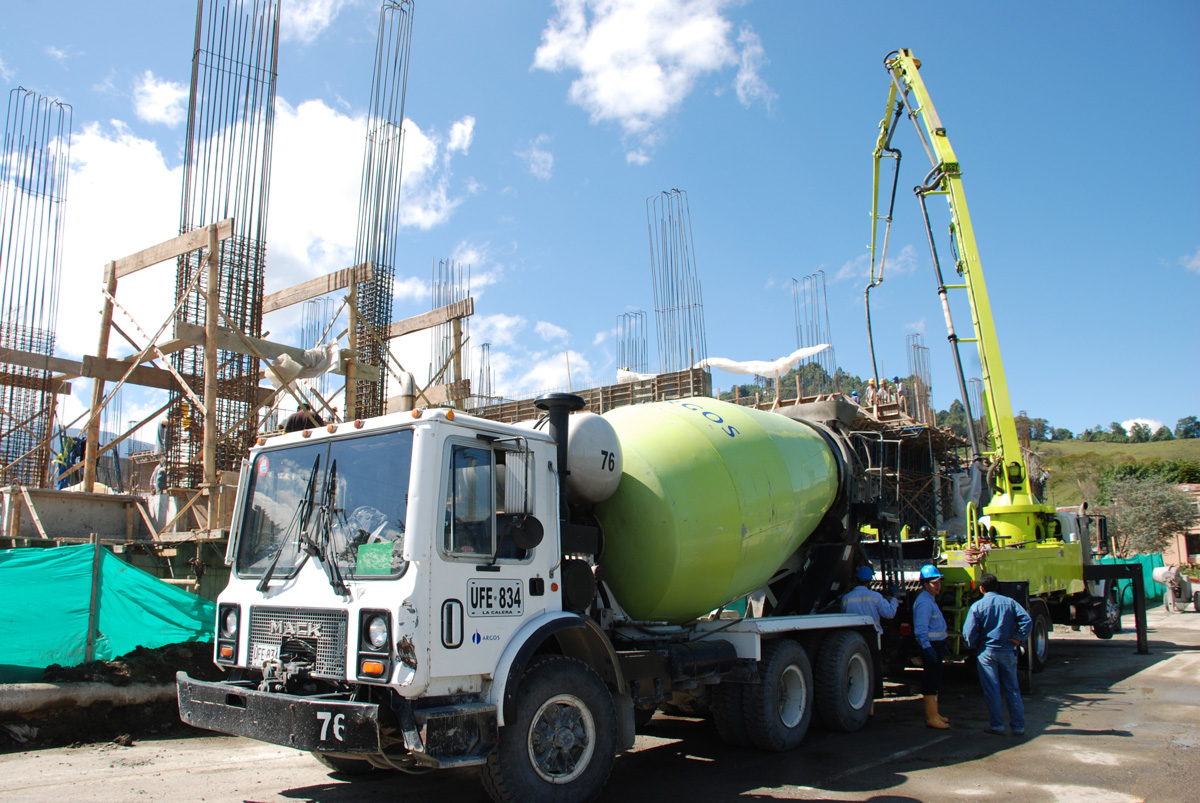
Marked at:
<point>712,499</point>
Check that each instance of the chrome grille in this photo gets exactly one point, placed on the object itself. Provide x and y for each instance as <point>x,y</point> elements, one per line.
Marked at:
<point>268,626</point>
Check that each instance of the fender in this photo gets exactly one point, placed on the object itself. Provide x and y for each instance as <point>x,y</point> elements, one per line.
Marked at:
<point>578,636</point>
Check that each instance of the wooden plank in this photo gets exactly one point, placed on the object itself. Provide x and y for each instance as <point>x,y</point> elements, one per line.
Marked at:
<point>176,246</point>
<point>150,377</point>
<point>53,384</point>
<point>319,286</point>
<point>426,320</point>
<point>37,520</point>
<point>39,362</point>
<point>228,340</point>
<point>455,391</point>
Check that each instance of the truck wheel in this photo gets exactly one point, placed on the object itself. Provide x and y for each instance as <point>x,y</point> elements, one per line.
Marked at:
<point>779,709</point>
<point>1040,634</point>
<point>845,681</point>
<point>561,743</point>
<point>1196,601</point>
<point>1112,615</point>
<point>350,767</point>
<point>729,713</point>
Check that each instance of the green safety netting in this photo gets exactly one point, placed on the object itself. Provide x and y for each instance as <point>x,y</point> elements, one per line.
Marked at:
<point>44,605</point>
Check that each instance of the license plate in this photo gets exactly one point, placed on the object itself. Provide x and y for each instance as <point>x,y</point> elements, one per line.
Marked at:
<point>494,598</point>
<point>261,653</point>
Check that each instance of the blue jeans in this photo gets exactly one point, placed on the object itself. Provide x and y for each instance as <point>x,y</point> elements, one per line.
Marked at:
<point>998,677</point>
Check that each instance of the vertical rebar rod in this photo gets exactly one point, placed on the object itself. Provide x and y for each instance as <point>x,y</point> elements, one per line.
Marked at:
<point>379,197</point>
<point>678,301</point>
<point>34,167</point>
<point>227,171</point>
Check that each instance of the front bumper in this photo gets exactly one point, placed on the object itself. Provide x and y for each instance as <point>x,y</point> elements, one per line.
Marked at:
<point>318,724</point>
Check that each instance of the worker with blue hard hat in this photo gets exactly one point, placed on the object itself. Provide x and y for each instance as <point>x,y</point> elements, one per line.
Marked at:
<point>929,626</point>
<point>861,599</point>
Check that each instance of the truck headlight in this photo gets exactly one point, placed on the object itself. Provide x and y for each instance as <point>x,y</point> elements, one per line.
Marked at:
<point>229,623</point>
<point>377,632</point>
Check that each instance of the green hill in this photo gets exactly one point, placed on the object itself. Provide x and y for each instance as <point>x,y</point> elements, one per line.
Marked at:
<point>1075,465</point>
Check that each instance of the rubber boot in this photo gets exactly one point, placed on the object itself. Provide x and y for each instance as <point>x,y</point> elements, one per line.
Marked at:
<point>938,713</point>
<point>932,720</point>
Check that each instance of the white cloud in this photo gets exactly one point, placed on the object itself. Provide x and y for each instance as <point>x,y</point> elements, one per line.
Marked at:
<point>539,160</point>
<point>160,101</point>
<point>123,197</point>
<point>1152,423</point>
<point>1192,262</point>
<point>570,370</point>
<point>5,73</point>
<point>304,20</point>
<point>857,268</point>
<point>749,84</point>
<point>426,200</point>
<point>916,326</point>
<point>550,332</point>
<point>462,133</point>
<point>900,264</point>
<point>58,54</point>
<point>637,157</point>
<point>500,330</point>
<point>409,289</point>
<point>638,61</point>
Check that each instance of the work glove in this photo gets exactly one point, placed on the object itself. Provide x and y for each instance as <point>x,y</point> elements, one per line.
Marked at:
<point>893,591</point>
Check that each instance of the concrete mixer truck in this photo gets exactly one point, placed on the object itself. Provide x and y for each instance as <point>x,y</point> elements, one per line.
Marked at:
<point>431,590</point>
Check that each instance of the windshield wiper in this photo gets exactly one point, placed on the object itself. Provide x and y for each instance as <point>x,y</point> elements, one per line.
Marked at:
<point>321,547</point>
<point>303,515</point>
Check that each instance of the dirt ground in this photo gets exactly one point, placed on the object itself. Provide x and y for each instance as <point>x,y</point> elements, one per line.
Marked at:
<point>103,722</point>
<point>1106,725</point>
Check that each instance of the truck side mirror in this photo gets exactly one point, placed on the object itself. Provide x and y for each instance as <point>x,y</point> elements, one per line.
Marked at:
<point>527,532</point>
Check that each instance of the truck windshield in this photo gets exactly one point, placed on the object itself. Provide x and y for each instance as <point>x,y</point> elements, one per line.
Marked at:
<point>364,527</point>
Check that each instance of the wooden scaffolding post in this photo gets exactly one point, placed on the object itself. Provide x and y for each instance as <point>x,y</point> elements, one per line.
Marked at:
<point>93,431</point>
<point>351,370</point>
<point>456,329</point>
<point>212,302</point>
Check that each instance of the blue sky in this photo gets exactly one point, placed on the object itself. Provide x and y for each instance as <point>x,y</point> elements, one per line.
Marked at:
<point>537,130</point>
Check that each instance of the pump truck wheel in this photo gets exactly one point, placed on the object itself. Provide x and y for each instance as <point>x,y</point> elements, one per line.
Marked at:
<point>729,713</point>
<point>349,767</point>
<point>845,681</point>
<point>560,742</point>
<point>779,710</point>
<point>1112,614</point>
<point>1040,635</point>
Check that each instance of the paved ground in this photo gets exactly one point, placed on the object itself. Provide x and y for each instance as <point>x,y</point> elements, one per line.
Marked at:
<point>1105,726</point>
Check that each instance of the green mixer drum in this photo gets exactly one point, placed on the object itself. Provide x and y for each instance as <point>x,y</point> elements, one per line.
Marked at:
<point>713,499</point>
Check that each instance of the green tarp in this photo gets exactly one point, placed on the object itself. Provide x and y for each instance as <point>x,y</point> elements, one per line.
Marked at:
<point>1148,563</point>
<point>44,603</point>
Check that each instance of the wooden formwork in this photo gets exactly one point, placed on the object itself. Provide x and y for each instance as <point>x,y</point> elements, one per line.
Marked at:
<point>676,385</point>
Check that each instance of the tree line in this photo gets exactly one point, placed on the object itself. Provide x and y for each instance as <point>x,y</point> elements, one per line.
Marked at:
<point>1040,429</point>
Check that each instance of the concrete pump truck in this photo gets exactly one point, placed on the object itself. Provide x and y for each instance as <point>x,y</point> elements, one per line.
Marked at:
<point>1046,557</point>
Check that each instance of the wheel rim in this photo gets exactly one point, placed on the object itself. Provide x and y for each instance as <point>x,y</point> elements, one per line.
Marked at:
<point>793,696</point>
<point>562,737</point>
<point>857,675</point>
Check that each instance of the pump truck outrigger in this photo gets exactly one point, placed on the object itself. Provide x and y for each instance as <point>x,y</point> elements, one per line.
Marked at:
<point>432,590</point>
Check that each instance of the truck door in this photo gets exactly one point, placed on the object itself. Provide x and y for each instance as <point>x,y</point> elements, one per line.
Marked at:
<point>482,591</point>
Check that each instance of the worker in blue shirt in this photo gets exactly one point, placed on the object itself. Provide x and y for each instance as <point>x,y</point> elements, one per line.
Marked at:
<point>995,626</point>
<point>862,600</point>
<point>929,626</point>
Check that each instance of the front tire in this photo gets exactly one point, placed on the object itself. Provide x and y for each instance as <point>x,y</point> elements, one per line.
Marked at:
<point>779,710</point>
<point>349,767</point>
<point>845,682</point>
<point>561,741</point>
